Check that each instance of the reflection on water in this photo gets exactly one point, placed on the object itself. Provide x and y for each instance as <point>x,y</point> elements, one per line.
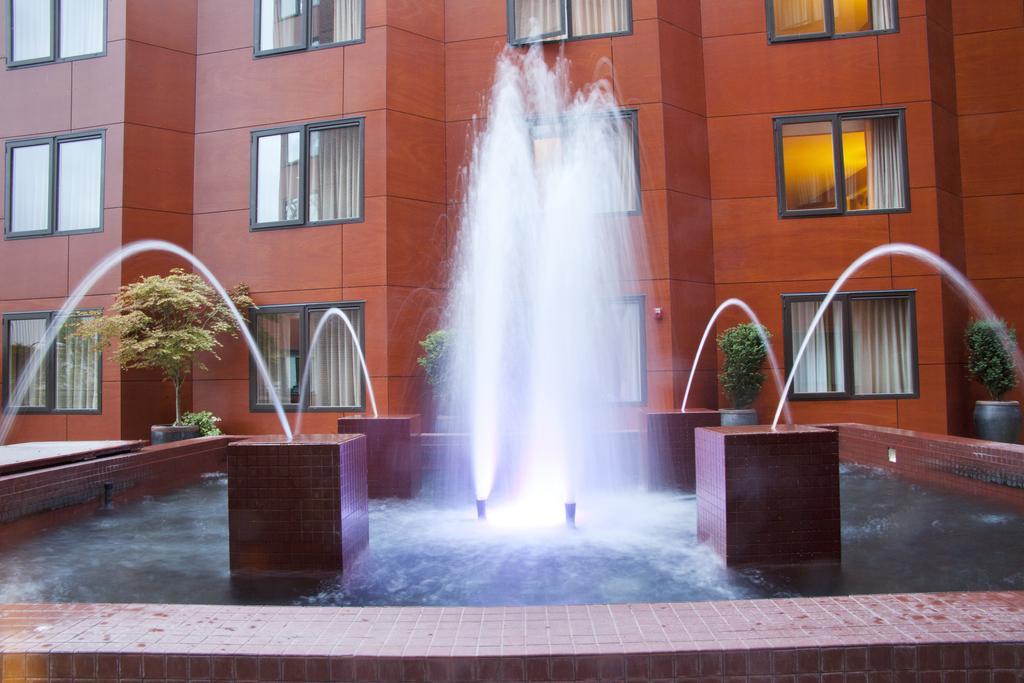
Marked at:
<point>631,548</point>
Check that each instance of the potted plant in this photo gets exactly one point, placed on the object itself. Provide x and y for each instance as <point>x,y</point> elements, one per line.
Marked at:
<point>741,376</point>
<point>990,362</point>
<point>436,363</point>
<point>163,323</point>
<point>204,420</point>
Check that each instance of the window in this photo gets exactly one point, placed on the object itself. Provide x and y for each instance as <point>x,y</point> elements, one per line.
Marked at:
<point>842,163</point>
<point>41,31</point>
<point>69,379</point>
<point>285,335</point>
<point>307,175</point>
<point>532,21</point>
<point>290,25</point>
<point>864,347</point>
<point>803,19</point>
<point>629,378</point>
<point>623,195</point>
<point>55,185</point>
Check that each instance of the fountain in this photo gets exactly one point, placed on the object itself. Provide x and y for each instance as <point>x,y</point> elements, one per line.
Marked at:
<point>544,256</point>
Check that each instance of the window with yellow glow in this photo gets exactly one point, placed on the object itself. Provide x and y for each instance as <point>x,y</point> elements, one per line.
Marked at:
<point>795,19</point>
<point>841,163</point>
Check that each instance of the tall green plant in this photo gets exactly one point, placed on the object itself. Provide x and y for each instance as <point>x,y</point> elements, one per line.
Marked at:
<point>988,359</point>
<point>745,351</point>
<point>164,322</point>
<point>436,361</point>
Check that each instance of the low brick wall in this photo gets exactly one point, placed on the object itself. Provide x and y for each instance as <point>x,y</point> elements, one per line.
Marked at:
<point>155,467</point>
<point>931,638</point>
<point>982,468</point>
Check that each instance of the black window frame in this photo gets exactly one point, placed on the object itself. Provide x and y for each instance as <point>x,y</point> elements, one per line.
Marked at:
<point>55,57</point>
<point>305,45</point>
<point>54,142</point>
<point>633,114</point>
<point>830,25</point>
<point>50,365</point>
<point>567,35</point>
<point>639,300</point>
<point>304,130</point>
<point>844,300</point>
<point>305,335</point>
<point>836,119</point>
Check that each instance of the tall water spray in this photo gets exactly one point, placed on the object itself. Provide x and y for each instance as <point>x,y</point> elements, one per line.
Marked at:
<point>544,258</point>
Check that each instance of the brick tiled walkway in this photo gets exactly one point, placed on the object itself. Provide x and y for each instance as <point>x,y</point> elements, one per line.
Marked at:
<point>931,638</point>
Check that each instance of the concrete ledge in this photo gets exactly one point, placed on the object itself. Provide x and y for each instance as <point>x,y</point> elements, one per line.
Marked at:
<point>767,497</point>
<point>884,638</point>
<point>297,506</point>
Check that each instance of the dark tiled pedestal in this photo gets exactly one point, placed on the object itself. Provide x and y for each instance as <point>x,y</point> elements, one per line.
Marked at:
<point>671,447</point>
<point>298,506</point>
<point>768,497</point>
<point>392,453</point>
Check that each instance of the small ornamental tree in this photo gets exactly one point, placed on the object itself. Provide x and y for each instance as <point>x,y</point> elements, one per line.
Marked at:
<point>163,322</point>
<point>745,351</point>
<point>436,360</point>
<point>988,359</point>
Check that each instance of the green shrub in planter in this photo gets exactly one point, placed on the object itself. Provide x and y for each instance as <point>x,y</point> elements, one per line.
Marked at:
<point>205,420</point>
<point>988,360</point>
<point>744,349</point>
<point>436,361</point>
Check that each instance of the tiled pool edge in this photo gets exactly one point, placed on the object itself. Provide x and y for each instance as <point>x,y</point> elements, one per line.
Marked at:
<point>917,638</point>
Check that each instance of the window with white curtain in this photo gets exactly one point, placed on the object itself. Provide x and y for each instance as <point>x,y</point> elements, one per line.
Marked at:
<point>43,31</point>
<point>803,19</point>
<point>290,25</point>
<point>852,162</point>
<point>54,185</point>
<point>532,21</point>
<point>298,339</point>
<point>623,191</point>
<point>628,381</point>
<point>69,378</point>
<point>864,347</point>
<point>307,175</point>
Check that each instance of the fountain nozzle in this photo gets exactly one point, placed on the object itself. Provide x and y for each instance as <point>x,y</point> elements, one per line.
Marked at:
<point>570,515</point>
<point>481,510</point>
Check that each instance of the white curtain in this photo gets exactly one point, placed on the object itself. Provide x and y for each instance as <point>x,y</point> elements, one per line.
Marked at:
<point>281,23</point>
<point>335,373</point>
<point>336,21</point>
<point>277,177</point>
<point>628,375</point>
<point>593,17</point>
<point>625,156</point>
<point>78,370</point>
<point>335,180</point>
<point>822,368</point>
<point>79,170</point>
<point>31,26</point>
<point>30,188</point>
<point>793,17</point>
<point>81,27</point>
<point>277,339</point>
<point>886,182</point>
<point>24,337</point>
<point>534,18</point>
<point>883,14</point>
<point>881,346</point>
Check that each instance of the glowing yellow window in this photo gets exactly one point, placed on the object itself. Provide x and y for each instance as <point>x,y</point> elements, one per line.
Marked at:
<point>824,18</point>
<point>808,159</point>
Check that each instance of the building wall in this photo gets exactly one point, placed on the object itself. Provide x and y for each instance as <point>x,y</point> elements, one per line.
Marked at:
<point>989,48</point>
<point>758,256</point>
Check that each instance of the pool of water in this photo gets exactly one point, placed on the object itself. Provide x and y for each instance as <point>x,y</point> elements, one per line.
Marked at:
<point>897,537</point>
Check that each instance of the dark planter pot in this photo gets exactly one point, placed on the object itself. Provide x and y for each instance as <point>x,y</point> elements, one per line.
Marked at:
<point>997,420</point>
<point>738,418</point>
<point>159,434</point>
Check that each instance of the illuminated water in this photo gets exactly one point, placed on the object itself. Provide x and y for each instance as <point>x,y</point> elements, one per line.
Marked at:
<point>896,538</point>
